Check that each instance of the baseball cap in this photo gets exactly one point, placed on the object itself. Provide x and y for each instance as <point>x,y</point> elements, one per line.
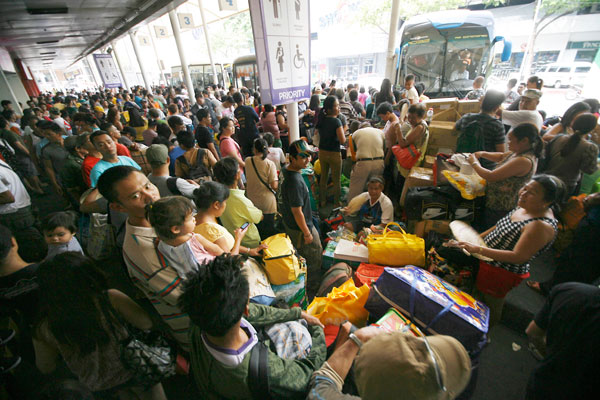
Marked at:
<point>157,154</point>
<point>299,148</point>
<point>532,93</point>
<point>393,363</point>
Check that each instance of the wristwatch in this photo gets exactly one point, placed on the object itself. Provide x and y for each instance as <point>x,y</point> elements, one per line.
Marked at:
<point>356,340</point>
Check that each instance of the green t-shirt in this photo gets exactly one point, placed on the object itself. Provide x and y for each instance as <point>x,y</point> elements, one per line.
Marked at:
<point>240,210</point>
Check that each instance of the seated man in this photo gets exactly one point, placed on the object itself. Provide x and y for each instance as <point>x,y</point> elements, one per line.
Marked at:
<point>372,209</point>
<point>566,331</point>
<point>224,338</point>
<point>408,372</point>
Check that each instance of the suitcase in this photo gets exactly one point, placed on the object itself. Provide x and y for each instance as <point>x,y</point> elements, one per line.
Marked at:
<point>430,202</point>
<point>433,304</point>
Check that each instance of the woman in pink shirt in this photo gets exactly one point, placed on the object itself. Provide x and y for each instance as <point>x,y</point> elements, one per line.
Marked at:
<point>228,146</point>
<point>268,121</point>
<point>362,96</point>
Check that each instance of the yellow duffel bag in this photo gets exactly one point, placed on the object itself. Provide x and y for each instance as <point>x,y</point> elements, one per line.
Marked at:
<point>396,249</point>
<point>281,261</point>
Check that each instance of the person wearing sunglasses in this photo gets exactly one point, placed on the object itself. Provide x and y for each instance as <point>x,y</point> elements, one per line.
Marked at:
<point>394,365</point>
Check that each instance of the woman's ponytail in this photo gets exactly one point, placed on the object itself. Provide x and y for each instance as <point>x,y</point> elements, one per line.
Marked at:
<point>582,125</point>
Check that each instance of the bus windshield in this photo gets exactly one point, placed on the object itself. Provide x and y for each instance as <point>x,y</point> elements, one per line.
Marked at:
<point>445,60</point>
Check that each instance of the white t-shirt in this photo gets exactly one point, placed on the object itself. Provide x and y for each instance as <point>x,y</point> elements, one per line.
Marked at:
<point>514,118</point>
<point>369,143</point>
<point>412,94</point>
<point>276,155</point>
<point>9,181</point>
<point>233,358</point>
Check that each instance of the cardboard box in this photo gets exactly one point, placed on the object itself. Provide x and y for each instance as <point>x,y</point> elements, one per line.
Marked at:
<point>468,106</point>
<point>429,161</point>
<point>440,105</point>
<point>417,177</point>
<point>442,134</point>
<point>423,227</point>
<point>329,258</point>
<point>446,115</point>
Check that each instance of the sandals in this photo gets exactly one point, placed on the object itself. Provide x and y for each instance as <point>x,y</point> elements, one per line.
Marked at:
<point>535,286</point>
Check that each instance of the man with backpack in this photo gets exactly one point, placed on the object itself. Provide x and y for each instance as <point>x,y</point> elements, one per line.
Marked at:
<point>482,131</point>
<point>158,157</point>
<point>196,163</point>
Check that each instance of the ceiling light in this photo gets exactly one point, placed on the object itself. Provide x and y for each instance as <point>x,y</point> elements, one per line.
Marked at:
<point>47,42</point>
<point>47,10</point>
<point>47,53</point>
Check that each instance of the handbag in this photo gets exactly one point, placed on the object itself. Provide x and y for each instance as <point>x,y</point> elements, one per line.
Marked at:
<point>281,260</point>
<point>407,157</point>
<point>395,249</point>
<point>147,354</point>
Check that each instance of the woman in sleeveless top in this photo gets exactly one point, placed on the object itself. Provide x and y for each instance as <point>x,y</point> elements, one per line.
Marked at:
<point>418,135</point>
<point>514,169</point>
<point>82,322</point>
<point>517,238</point>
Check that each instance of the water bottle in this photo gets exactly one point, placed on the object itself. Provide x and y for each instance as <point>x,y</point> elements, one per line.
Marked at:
<point>429,115</point>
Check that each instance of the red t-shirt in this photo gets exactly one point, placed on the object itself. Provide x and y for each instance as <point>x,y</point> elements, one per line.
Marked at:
<point>86,168</point>
<point>122,150</point>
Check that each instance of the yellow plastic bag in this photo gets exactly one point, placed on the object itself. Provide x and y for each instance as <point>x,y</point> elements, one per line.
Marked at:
<point>469,186</point>
<point>346,302</point>
<point>396,249</point>
<point>281,261</point>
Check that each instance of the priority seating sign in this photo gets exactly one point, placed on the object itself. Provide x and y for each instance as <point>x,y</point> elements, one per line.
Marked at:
<point>281,30</point>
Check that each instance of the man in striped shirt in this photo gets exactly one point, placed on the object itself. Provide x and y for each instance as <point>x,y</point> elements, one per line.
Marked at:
<point>129,191</point>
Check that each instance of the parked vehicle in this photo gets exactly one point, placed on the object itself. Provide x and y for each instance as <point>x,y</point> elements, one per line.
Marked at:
<point>565,74</point>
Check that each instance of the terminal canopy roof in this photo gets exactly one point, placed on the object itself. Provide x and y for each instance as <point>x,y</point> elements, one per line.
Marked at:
<point>59,32</point>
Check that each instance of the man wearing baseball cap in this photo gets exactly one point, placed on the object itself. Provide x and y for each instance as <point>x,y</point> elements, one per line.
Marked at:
<point>158,158</point>
<point>394,365</point>
<point>527,113</point>
<point>297,215</point>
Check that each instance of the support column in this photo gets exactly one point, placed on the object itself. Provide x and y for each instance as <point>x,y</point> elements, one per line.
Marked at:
<point>210,57</point>
<point>162,74</point>
<point>389,57</point>
<point>182,59</point>
<point>13,97</point>
<point>292,119</point>
<point>113,44</point>
<point>91,66</point>
<point>138,56</point>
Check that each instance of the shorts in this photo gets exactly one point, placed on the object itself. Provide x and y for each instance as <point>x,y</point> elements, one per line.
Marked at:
<point>497,281</point>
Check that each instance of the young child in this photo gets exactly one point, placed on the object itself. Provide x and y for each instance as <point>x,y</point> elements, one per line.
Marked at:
<point>372,209</point>
<point>59,232</point>
<point>174,219</point>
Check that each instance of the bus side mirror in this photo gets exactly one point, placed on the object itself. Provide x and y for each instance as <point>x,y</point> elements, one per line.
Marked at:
<point>507,50</point>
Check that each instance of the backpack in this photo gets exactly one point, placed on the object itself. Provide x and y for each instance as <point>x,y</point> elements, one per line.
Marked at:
<point>471,138</point>
<point>281,260</point>
<point>334,277</point>
<point>198,172</point>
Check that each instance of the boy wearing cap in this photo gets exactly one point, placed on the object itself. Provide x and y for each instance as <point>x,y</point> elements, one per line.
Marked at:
<point>297,215</point>
<point>527,113</point>
<point>158,157</point>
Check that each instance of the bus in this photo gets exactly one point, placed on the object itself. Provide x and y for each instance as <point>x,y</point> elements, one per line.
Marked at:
<point>202,75</point>
<point>245,72</point>
<point>446,50</point>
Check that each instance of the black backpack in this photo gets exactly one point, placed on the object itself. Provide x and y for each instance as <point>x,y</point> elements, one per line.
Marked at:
<point>471,138</point>
<point>197,172</point>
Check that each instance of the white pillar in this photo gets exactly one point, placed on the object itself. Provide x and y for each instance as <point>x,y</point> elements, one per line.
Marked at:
<point>292,119</point>
<point>210,57</point>
<point>181,51</point>
<point>162,74</point>
<point>389,59</point>
<point>529,51</point>
<point>13,97</point>
<point>113,44</point>
<point>138,56</point>
<point>91,66</point>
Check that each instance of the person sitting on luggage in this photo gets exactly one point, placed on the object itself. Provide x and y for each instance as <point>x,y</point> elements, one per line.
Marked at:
<point>174,220</point>
<point>514,168</point>
<point>225,339</point>
<point>372,209</point>
<point>523,234</point>
<point>186,165</point>
<point>436,368</point>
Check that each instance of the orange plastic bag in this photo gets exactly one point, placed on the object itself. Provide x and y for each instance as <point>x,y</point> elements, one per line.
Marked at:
<point>342,303</point>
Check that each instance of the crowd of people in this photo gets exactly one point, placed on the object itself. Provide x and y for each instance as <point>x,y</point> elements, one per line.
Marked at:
<point>164,205</point>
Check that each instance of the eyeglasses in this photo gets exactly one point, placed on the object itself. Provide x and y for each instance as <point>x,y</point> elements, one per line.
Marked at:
<point>438,373</point>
